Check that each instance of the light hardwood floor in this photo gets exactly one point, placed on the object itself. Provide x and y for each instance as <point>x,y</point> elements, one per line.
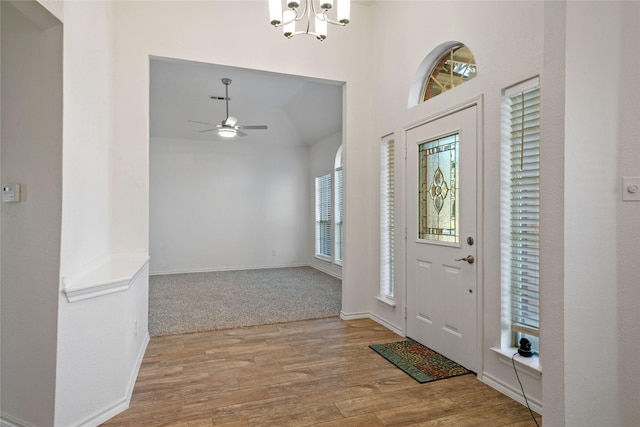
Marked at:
<point>309,373</point>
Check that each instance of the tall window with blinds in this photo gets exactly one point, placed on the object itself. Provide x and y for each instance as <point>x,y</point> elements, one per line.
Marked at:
<point>521,207</point>
<point>338,235</point>
<point>323,216</point>
<point>338,244</point>
<point>387,210</point>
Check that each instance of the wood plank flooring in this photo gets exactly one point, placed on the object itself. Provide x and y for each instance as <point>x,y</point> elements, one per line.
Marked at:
<point>309,373</point>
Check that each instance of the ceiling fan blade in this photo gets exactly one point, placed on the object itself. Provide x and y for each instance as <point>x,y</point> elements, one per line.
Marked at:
<point>208,130</point>
<point>252,127</point>
<point>201,123</point>
<point>240,133</point>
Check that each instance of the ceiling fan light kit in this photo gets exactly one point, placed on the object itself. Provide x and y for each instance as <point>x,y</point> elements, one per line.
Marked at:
<point>227,132</point>
<point>313,10</point>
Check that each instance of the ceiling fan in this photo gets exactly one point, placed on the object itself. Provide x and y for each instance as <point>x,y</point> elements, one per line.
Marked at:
<point>229,127</point>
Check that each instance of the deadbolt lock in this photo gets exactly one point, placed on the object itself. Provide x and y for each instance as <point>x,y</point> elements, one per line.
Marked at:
<point>470,241</point>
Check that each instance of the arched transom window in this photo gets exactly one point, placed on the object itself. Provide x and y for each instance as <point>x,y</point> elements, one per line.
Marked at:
<point>453,68</point>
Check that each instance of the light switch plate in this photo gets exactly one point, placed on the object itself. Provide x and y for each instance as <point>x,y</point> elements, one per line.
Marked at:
<point>631,188</point>
<point>11,193</point>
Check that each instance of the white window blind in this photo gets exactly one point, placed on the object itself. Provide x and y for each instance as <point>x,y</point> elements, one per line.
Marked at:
<point>523,122</point>
<point>323,216</point>
<point>387,224</point>
<point>338,217</point>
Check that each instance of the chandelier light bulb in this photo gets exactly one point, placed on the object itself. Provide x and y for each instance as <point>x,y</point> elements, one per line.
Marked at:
<point>321,28</point>
<point>344,10</point>
<point>275,12</point>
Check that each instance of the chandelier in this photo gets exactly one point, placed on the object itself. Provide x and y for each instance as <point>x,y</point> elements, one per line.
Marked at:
<point>318,10</point>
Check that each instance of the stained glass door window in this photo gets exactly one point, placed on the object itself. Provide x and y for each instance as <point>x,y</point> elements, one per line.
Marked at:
<point>438,210</point>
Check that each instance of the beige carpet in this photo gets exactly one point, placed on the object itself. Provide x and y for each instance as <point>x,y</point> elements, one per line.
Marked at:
<point>193,302</point>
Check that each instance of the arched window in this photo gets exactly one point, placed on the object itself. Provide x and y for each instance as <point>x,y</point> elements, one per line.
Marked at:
<point>453,68</point>
<point>447,66</point>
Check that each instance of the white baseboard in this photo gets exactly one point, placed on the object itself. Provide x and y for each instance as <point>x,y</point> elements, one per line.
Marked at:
<point>136,370</point>
<point>123,403</point>
<point>237,268</point>
<point>325,271</point>
<point>105,414</point>
<point>354,316</point>
<point>386,324</point>
<point>507,390</point>
<point>367,315</point>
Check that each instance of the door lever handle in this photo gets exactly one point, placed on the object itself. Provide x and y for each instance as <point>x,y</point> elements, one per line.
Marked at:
<point>469,258</point>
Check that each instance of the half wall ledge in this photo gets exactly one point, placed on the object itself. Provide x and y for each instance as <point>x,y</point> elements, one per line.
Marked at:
<point>111,273</point>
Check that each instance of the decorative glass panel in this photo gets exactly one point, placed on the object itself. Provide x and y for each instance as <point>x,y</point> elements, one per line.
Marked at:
<point>438,209</point>
<point>453,68</point>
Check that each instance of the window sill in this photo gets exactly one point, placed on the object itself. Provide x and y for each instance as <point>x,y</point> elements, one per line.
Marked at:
<point>528,365</point>
<point>386,301</point>
<point>323,258</point>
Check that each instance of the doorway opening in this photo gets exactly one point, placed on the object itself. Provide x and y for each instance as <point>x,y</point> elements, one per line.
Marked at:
<point>243,203</point>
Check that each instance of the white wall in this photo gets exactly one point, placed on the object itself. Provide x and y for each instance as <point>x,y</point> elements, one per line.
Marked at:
<point>225,205</point>
<point>31,153</point>
<point>601,231</point>
<point>551,209</point>
<point>101,339</point>
<point>628,218</point>
<point>322,158</point>
<point>88,120</point>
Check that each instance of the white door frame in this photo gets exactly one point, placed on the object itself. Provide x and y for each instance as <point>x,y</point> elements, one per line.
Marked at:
<point>478,103</point>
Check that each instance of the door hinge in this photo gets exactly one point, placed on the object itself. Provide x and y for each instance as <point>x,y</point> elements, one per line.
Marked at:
<point>405,233</point>
<point>405,313</point>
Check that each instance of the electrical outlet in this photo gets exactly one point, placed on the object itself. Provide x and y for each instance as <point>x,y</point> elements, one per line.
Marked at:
<point>631,188</point>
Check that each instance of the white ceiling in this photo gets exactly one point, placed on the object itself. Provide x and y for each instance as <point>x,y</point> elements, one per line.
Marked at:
<point>297,110</point>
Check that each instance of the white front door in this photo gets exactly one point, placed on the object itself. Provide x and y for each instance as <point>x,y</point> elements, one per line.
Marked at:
<point>441,236</point>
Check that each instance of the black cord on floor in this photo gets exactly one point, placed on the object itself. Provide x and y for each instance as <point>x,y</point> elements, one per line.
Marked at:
<point>522,388</point>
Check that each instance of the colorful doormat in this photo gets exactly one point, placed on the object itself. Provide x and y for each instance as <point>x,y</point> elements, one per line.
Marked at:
<point>418,361</point>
